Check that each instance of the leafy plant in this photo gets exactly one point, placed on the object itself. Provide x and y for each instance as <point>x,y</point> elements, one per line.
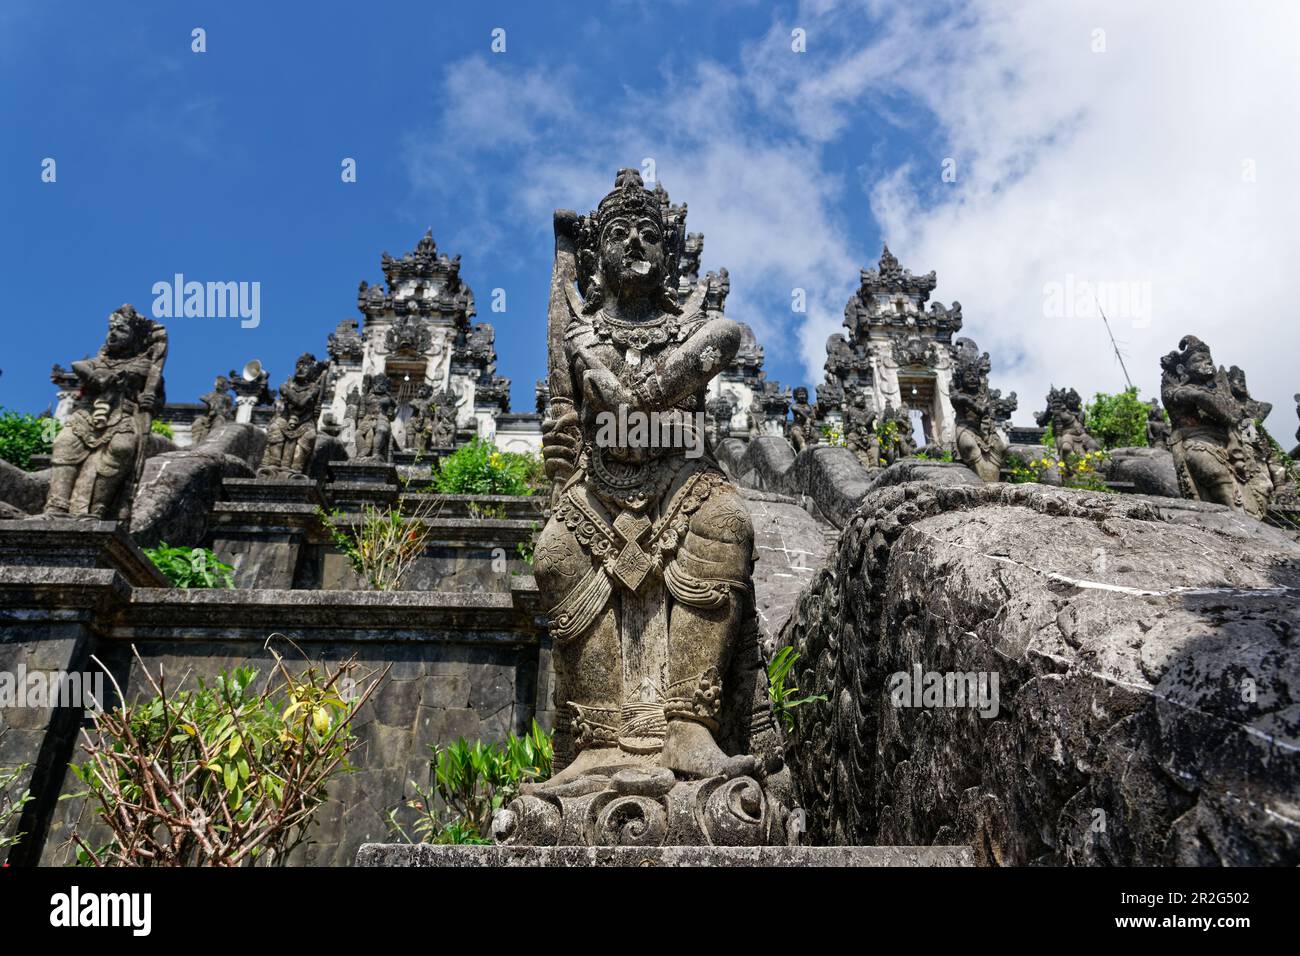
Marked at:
<point>11,804</point>
<point>478,468</point>
<point>22,436</point>
<point>384,546</point>
<point>783,698</point>
<point>833,436</point>
<point>944,455</point>
<point>1076,471</point>
<point>1118,421</point>
<point>160,427</point>
<point>191,567</point>
<point>222,775</point>
<point>468,783</point>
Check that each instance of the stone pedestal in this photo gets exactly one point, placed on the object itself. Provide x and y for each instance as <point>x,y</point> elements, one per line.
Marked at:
<point>402,854</point>
<point>353,485</point>
<point>262,528</point>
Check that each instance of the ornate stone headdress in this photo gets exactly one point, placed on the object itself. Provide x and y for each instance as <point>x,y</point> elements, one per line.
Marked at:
<point>629,198</point>
<point>1175,364</point>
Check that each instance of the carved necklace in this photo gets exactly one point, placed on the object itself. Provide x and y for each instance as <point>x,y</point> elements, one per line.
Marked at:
<point>635,335</point>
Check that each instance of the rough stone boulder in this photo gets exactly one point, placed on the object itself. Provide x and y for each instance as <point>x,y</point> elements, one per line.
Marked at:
<point>1151,470</point>
<point>24,491</point>
<point>178,488</point>
<point>1146,708</point>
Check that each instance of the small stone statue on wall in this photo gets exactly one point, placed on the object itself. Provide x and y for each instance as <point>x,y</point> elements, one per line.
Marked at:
<point>979,443</point>
<point>218,407</point>
<point>419,427</point>
<point>291,436</point>
<point>860,431</point>
<point>1158,427</point>
<point>443,432</point>
<point>803,421</point>
<point>1066,416</point>
<point>98,453</point>
<point>1214,436</point>
<point>373,408</point>
<point>902,444</point>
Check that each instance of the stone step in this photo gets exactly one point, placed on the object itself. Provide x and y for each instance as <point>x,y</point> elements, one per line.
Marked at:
<point>428,855</point>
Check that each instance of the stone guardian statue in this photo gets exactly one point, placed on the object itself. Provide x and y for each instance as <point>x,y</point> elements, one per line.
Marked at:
<point>98,453</point>
<point>291,436</point>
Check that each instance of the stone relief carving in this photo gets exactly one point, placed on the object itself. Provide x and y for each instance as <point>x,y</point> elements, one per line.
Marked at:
<point>98,453</point>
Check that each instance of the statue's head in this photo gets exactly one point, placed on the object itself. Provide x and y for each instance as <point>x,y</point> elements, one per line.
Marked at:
<point>305,367</point>
<point>222,385</point>
<point>128,331</point>
<point>424,391</point>
<point>1195,358</point>
<point>629,246</point>
<point>801,395</point>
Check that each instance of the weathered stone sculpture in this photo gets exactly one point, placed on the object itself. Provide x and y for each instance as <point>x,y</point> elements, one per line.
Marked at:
<point>291,436</point>
<point>218,407</point>
<point>443,429</point>
<point>902,443</point>
<point>860,431</point>
<point>979,443</point>
<point>1067,418</point>
<point>419,427</point>
<point>98,453</point>
<point>1158,427</point>
<point>803,422</point>
<point>1214,433</point>
<point>646,560</point>
<point>372,408</point>
<point>717,420</point>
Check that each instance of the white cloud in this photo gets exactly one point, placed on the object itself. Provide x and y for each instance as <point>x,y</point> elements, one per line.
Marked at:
<point>1119,166</point>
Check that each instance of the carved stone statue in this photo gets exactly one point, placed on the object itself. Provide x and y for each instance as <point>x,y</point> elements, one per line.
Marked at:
<point>373,408</point>
<point>803,421</point>
<point>646,560</point>
<point>419,427</point>
<point>1254,412</point>
<point>979,443</point>
<point>443,429</point>
<point>860,430</point>
<point>903,443</point>
<point>717,420</point>
<point>1066,416</point>
<point>1214,435</point>
<point>98,453</point>
<point>218,407</point>
<point>1158,427</point>
<point>291,436</point>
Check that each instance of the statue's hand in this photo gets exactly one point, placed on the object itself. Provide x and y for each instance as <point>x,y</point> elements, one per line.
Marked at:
<point>602,389</point>
<point>561,442</point>
<point>146,402</point>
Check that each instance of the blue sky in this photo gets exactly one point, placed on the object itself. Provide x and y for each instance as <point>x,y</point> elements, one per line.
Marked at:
<point>1112,164</point>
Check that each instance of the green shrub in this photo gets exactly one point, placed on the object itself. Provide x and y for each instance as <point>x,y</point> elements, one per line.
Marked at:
<point>221,775</point>
<point>468,783</point>
<point>384,546</point>
<point>160,427</point>
<point>191,567</point>
<point>478,468</point>
<point>783,698</point>
<point>11,804</point>
<point>1118,421</point>
<point>22,436</point>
